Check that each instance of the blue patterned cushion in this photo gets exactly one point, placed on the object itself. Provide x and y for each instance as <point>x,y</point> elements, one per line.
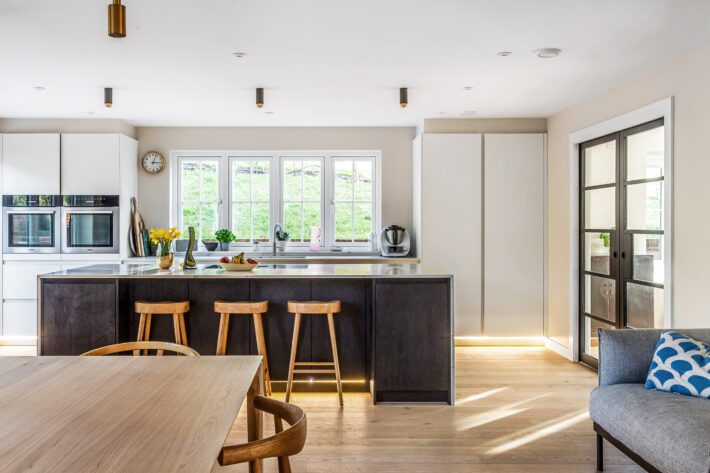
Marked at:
<point>680,365</point>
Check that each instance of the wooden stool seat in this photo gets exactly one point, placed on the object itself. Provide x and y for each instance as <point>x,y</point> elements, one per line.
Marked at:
<point>148,309</point>
<point>299,308</point>
<point>255,309</point>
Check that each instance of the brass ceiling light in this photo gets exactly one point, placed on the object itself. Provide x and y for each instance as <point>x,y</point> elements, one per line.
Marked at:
<point>259,97</point>
<point>403,97</point>
<point>117,20</point>
<point>108,97</point>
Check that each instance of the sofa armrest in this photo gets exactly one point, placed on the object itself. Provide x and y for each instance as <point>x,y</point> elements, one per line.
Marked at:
<point>625,355</point>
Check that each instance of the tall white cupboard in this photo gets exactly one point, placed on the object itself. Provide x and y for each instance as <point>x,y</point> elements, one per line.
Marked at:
<point>479,212</point>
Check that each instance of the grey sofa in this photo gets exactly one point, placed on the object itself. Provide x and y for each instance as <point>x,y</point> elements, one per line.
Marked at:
<point>662,432</point>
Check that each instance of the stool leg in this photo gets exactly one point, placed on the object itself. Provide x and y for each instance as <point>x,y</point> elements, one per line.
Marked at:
<point>183,331</point>
<point>222,335</point>
<point>294,349</point>
<point>141,329</point>
<point>334,345</point>
<point>176,329</point>
<point>261,347</point>
<point>146,331</point>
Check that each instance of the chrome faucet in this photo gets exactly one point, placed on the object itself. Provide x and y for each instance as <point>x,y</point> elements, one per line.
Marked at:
<point>280,229</point>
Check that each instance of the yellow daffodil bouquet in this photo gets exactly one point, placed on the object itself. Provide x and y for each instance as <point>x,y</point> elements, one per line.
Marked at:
<point>163,238</point>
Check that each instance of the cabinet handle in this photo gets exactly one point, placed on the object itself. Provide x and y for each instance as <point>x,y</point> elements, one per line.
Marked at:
<point>623,254</point>
<point>613,254</point>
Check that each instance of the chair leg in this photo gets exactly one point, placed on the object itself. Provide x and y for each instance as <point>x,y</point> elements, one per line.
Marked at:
<point>183,330</point>
<point>284,464</point>
<point>176,329</point>
<point>222,335</point>
<point>600,453</point>
<point>261,348</point>
<point>146,335</point>
<point>334,346</point>
<point>141,329</point>
<point>294,350</point>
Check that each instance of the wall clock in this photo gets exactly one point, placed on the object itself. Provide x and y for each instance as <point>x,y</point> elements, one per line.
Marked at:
<point>153,162</point>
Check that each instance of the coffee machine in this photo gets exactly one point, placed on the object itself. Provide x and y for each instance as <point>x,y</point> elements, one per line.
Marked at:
<point>394,241</point>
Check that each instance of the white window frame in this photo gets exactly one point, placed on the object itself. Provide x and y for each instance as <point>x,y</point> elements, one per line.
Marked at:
<point>332,202</point>
<point>276,158</point>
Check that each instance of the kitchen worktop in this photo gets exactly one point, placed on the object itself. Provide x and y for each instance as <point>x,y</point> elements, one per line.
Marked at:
<point>266,271</point>
<point>289,258</point>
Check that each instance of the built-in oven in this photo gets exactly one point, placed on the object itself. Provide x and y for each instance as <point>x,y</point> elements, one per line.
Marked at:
<point>90,224</point>
<point>31,223</point>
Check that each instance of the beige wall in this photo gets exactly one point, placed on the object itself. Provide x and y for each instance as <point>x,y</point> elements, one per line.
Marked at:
<point>687,78</point>
<point>485,125</point>
<point>65,125</point>
<point>395,144</point>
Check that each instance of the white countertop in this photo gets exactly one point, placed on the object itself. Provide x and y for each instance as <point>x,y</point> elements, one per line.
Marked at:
<point>366,271</point>
<point>288,258</point>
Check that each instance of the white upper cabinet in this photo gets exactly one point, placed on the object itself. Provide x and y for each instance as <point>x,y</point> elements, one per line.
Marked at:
<point>90,164</point>
<point>30,163</point>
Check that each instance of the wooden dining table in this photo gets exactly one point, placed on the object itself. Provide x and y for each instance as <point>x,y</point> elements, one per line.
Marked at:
<point>123,413</point>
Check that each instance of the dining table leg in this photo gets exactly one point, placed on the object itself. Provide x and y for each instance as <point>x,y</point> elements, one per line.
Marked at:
<point>255,423</point>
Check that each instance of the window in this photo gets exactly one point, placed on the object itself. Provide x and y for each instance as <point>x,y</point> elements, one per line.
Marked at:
<point>337,192</point>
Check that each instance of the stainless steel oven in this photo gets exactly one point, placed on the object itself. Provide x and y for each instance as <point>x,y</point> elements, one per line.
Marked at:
<point>90,224</point>
<point>31,223</point>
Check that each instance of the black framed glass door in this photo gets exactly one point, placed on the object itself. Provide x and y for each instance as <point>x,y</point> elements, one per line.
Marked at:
<point>621,233</point>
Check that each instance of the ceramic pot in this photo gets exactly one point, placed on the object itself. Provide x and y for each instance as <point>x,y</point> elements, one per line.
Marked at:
<point>164,262</point>
<point>281,244</point>
<point>223,246</point>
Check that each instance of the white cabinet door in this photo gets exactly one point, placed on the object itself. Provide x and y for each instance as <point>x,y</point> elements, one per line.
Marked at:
<point>90,164</point>
<point>514,253</point>
<point>30,163</point>
<point>19,278</point>
<point>19,318</point>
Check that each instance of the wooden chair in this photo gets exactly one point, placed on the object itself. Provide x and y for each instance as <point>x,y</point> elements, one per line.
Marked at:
<point>314,308</point>
<point>283,444</point>
<point>176,309</point>
<point>137,347</point>
<point>255,309</point>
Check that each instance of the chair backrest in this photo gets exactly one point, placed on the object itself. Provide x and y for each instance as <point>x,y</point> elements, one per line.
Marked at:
<point>283,444</point>
<point>138,347</point>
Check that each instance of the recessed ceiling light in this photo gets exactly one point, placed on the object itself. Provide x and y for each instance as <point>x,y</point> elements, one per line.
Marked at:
<point>443,113</point>
<point>239,54</point>
<point>468,87</point>
<point>38,88</point>
<point>90,113</point>
<point>269,112</point>
<point>504,53</point>
<point>547,53</point>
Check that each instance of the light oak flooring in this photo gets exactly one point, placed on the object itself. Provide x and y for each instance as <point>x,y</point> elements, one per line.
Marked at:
<point>519,409</point>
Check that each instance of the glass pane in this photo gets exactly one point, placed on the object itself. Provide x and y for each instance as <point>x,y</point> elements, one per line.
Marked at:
<point>311,218</point>
<point>190,218</point>
<point>241,221</point>
<point>596,252</point>
<point>648,258</point>
<point>260,182</point>
<point>343,222</point>
<point>90,230</point>
<point>591,341</point>
<point>210,182</point>
<point>208,223</point>
<point>644,306</point>
<point>644,206</point>
<point>260,221</point>
<point>343,180</point>
<point>600,297</point>
<point>363,222</point>
<point>292,180</point>
<point>311,180</point>
<point>33,229</point>
<point>600,208</point>
<point>600,164</point>
<point>363,180</point>
<point>241,172</point>
<point>644,154</point>
<point>190,181</point>
<point>292,221</point>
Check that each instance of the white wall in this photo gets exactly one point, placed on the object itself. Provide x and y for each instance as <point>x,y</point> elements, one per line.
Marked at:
<point>685,77</point>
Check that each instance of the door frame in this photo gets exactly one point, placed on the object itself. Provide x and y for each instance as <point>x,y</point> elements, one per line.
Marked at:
<point>661,109</point>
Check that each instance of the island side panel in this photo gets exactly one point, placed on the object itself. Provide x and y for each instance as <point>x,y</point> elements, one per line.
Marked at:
<point>413,340</point>
<point>77,315</point>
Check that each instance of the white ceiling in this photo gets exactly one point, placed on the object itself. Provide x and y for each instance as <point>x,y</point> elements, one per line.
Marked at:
<point>329,62</point>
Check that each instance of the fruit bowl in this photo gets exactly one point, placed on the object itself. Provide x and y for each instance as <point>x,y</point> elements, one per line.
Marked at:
<point>238,266</point>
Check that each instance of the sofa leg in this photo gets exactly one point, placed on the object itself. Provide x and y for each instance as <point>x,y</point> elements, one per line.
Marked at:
<point>600,453</point>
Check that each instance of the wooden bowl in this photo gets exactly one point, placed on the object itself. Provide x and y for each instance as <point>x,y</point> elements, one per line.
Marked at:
<point>238,267</point>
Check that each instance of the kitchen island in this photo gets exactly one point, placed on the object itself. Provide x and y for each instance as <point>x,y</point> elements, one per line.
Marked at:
<point>394,332</point>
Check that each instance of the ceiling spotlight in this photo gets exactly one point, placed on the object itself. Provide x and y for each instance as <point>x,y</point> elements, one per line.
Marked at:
<point>39,88</point>
<point>269,112</point>
<point>468,87</point>
<point>117,20</point>
<point>547,53</point>
<point>259,97</point>
<point>403,97</point>
<point>108,97</point>
<point>504,53</point>
<point>90,113</point>
<point>239,54</point>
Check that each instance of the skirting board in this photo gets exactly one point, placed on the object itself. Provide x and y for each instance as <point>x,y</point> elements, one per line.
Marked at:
<point>558,348</point>
<point>498,341</point>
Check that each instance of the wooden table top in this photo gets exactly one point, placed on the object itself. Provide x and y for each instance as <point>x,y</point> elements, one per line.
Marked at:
<point>119,413</point>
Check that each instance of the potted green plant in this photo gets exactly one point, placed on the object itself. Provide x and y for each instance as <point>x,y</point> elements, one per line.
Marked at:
<point>224,237</point>
<point>282,238</point>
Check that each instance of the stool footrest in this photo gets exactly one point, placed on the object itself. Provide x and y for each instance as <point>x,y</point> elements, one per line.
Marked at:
<point>313,371</point>
<point>315,363</point>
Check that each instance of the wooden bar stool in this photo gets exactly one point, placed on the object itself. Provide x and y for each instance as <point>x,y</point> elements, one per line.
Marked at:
<point>255,309</point>
<point>314,308</point>
<point>148,309</point>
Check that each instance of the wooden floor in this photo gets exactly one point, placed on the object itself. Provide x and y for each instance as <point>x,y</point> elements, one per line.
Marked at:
<point>521,409</point>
